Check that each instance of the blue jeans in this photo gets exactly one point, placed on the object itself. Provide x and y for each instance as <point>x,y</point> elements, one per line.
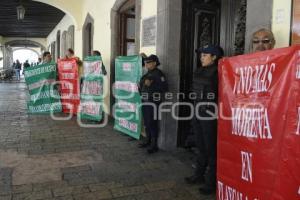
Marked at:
<point>17,74</point>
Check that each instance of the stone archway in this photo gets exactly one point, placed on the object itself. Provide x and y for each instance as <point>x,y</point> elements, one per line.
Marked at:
<point>22,48</point>
<point>25,43</point>
<point>66,8</point>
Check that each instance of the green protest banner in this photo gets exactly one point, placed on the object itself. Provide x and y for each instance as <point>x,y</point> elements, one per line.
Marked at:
<point>44,96</point>
<point>127,110</point>
<point>91,97</point>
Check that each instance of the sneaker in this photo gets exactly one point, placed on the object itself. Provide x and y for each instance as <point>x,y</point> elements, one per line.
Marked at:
<point>192,180</point>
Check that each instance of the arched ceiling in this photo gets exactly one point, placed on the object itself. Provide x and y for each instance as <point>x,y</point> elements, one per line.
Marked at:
<point>24,43</point>
<point>40,19</point>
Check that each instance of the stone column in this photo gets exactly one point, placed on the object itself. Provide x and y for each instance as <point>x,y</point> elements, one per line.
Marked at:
<point>7,57</point>
<point>168,50</point>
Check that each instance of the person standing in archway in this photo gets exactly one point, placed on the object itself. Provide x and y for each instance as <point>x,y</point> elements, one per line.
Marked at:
<point>26,64</point>
<point>18,68</point>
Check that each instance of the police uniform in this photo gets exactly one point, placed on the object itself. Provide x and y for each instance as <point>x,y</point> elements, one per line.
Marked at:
<point>205,86</point>
<point>152,96</point>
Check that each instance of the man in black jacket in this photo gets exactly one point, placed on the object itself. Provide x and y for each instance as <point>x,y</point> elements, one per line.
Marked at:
<point>152,87</point>
<point>204,126</point>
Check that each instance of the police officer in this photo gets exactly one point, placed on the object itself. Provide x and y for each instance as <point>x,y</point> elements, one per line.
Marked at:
<point>152,87</point>
<point>205,86</point>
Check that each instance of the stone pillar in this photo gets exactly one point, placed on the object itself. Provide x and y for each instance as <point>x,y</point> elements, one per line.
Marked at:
<point>7,57</point>
<point>168,50</point>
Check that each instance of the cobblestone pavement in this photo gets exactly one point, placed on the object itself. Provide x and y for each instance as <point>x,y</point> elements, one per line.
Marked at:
<point>45,159</point>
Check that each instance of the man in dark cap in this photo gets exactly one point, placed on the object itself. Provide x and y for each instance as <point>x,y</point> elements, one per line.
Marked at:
<point>205,86</point>
<point>152,87</point>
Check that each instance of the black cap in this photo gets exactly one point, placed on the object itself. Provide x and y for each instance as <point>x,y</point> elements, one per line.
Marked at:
<point>152,58</point>
<point>211,49</point>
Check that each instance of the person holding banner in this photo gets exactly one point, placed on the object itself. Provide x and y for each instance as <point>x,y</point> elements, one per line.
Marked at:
<point>47,58</point>
<point>152,84</point>
<point>204,125</point>
<point>97,53</point>
<point>69,55</point>
<point>262,40</point>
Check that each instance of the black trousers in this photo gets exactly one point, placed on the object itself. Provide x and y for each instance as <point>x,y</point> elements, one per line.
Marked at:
<point>150,120</point>
<point>206,141</point>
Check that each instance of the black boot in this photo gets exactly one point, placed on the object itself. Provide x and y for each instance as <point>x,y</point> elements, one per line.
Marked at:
<point>153,147</point>
<point>146,143</point>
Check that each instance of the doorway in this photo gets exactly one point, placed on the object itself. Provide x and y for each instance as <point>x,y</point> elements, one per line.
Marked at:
<point>200,27</point>
<point>127,29</point>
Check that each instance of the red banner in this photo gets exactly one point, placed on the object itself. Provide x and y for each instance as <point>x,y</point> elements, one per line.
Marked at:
<point>69,85</point>
<point>258,126</point>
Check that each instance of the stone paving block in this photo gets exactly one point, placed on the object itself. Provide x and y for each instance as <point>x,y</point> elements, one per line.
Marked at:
<point>194,190</point>
<point>6,197</point>
<point>41,195</point>
<point>151,165</point>
<point>70,175</point>
<point>16,189</point>
<point>5,181</point>
<point>83,181</point>
<point>49,185</point>
<point>157,195</point>
<point>127,198</point>
<point>104,194</point>
<point>76,169</point>
<point>104,186</point>
<point>85,196</point>
<point>127,191</point>
<point>180,193</point>
<point>164,185</point>
<point>63,191</point>
<point>68,197</point>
